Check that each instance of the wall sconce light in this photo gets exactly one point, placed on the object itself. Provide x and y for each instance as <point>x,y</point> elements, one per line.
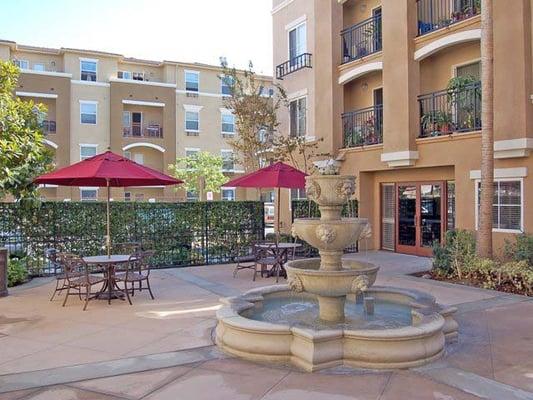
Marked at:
<point>364,87</point>
<point>362,7</point>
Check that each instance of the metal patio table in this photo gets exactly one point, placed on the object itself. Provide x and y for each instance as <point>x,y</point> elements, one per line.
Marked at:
<point>110,289</point>
<point>281,254</point>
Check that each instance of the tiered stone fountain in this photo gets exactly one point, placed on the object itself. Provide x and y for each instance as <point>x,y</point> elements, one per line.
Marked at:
<point>329,314</point>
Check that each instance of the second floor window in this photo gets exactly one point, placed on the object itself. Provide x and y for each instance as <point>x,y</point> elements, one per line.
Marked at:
<point>192,121</point>
<point>297,41</point>
<point>87,151</point>
<point>192,81</point>
<point>22,64</point>
<point>298,117</point>
<point>228,163</point>
<point>88,113</point>
<point>88,70</point>
<point>228,123</point>
<point>124,74</point>
<point>226,85</point>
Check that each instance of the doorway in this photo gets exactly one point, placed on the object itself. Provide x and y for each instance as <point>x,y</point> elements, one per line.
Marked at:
<point>420,216</point>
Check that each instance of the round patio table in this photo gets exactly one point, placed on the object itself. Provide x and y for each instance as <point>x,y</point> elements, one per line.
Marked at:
<point>281,254</point>
<point>110,289</point>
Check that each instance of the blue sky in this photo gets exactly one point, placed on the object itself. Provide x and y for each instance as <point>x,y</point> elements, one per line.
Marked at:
<point>178,30</point>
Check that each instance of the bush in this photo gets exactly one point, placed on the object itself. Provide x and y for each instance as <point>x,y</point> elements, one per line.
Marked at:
<point>521,249</point>
<point>458,250</point>
<point>17,272</point>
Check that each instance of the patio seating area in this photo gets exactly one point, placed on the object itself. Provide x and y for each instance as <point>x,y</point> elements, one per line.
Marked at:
<point>163,348</point>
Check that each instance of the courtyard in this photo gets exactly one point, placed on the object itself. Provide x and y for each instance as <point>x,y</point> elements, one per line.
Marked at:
<point>164,348</point>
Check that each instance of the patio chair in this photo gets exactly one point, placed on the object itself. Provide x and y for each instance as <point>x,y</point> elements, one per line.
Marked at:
<point>138,271</point>
<point>299,253</point>
<point>267,253</point>
<point>78,276</point>
<point>244,256</point>
<point>57,268</point>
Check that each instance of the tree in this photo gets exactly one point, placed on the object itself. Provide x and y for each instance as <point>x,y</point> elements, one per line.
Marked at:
<point>297,151</point>
<point>255,109</point>
<point>201,172</point>
<point>23,155</point>
<point>484,234</point>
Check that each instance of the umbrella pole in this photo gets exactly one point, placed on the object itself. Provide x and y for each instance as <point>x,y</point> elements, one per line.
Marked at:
<point>279,214</point>
<point>108,235</point>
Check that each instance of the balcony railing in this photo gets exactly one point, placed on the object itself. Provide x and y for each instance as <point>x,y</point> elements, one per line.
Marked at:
<point>294,64</point>
<point>148,131</point>
<point>437,14</point>
<point>362,39</point>
<point>48,127</point>
<point>363,127</point>
<point>450,111</point>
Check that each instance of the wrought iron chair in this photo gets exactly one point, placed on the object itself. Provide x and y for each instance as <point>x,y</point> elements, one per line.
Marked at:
<point>267,253</point>
<point>138,271</point>
<point>78,276</point>
<point>57,268</point>
<point>243,256</point>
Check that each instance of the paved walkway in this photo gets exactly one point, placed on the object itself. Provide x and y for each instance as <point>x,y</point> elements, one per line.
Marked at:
<point>163,349</point>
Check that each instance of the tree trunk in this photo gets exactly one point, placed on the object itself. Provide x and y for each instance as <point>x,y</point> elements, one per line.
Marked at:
<point>484,234</point>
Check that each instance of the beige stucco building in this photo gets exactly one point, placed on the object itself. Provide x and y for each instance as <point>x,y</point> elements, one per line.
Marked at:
<point>150,111</point>
<point>371,77</point>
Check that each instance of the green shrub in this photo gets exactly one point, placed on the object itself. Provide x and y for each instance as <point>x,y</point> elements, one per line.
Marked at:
<point>521,249</point>
<point>17,272</point>
<point>459,249</point>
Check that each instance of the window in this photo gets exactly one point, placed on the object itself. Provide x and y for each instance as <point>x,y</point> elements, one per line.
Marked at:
<point>88,112</point>
<point>450,191</point>
<point>228,163</point>
<point>139,197</point>
<point>22,64</point>
<point>226,85</point>
<point>473,70</point>
<point>228,123</point>
<point>124,74</point>
<point>38,67</point>
<point>88,70</point>
<point>228,194</point>
<point>192,196</point>
<point>507,205</point>
<point>127,196</point>
<point>87,151</point>
<point>297,41</point>
<point>298,118</point>
<point>138,76</point>
<point>191,153</point>
<point>126,122</point>
<point>192,121</point>
<point>89,194</point>
<point>127,154</point>
<point>266,92</point>
<point>298,194</point>
<point>192,81</point>
<point>138,158</point>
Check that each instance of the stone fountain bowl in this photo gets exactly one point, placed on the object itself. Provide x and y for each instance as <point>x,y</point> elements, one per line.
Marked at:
<point>333,235</point>
<point>330,190</point>
<point>306,276</point>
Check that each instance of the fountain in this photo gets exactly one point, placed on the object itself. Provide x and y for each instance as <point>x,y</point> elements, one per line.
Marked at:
<point>330,313</point>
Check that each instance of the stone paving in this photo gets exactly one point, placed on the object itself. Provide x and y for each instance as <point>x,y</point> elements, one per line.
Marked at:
<point>163,349</point>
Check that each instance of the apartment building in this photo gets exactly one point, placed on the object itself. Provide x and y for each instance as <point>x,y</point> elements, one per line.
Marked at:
<point>393,88</point>
<point>150,111</point>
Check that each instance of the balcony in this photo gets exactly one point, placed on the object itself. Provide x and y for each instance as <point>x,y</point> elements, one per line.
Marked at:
<point>363,127</point>
<point>437,14</point>
<point>148,131</point>
<point>450,111</point>
<point>294,64</point>
<point>362,39</point>
<point>48,127</point>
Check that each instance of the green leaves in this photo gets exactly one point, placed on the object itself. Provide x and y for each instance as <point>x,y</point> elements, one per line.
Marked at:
<point>23,155</point>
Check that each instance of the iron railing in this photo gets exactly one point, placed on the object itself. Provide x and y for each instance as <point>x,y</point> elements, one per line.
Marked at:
<point>294,64</point>
<point>48,126</point>
<point>450,111</point>
<point>152,130</point>
<point>437,14</point>
<point>361,39</point>
<point>181,234</point>
<point>363,127</point>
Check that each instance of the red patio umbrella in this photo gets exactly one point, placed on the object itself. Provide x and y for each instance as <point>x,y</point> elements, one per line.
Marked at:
<point>278,175</point>
<point>107,170</point>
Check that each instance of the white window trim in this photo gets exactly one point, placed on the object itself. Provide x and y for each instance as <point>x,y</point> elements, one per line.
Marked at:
<point>462,64</point>
<point>226,111</point>
<point>94,60</point>
<point>96,113</point>
<point>308,138</point>
<point>296,23</point>
<point>191,71</point>
<point>222,151</point>
<point>292,26</point>
<point>498,230</point>
<point>233,189</point>
<point>222,76</point>
<point>95,188</point>
<point>195,109</point>
<point>192,107</point>
<point>22,60</point>
<point>95,146</point>
<point>39,63</point>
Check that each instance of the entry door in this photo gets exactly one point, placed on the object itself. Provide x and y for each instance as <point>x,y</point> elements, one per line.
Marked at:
<point>136,126</point>
<point>420,217</point>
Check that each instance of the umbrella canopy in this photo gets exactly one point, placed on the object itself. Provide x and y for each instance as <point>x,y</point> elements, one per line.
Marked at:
<point>106,169</point>
<point>278,175</point>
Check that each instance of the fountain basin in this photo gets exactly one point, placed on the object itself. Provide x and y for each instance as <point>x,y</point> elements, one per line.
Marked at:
<point>334,235</point>
<point>412,343</point>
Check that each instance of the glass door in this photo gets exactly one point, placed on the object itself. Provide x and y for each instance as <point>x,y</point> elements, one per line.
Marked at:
<point>407,218</point>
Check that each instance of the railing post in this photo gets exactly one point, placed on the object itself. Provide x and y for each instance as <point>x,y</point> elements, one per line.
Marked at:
<point>3,272</point>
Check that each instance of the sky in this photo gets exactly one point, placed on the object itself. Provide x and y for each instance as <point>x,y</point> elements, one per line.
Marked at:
<point>176,30</point>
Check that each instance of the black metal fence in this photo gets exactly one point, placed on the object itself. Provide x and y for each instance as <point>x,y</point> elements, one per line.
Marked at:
<point>450,111</point>
<point>363,127</point>
<point>294,64</point>
<point>437,14</point>
<point>361,39</point>
<point>182,234</point>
